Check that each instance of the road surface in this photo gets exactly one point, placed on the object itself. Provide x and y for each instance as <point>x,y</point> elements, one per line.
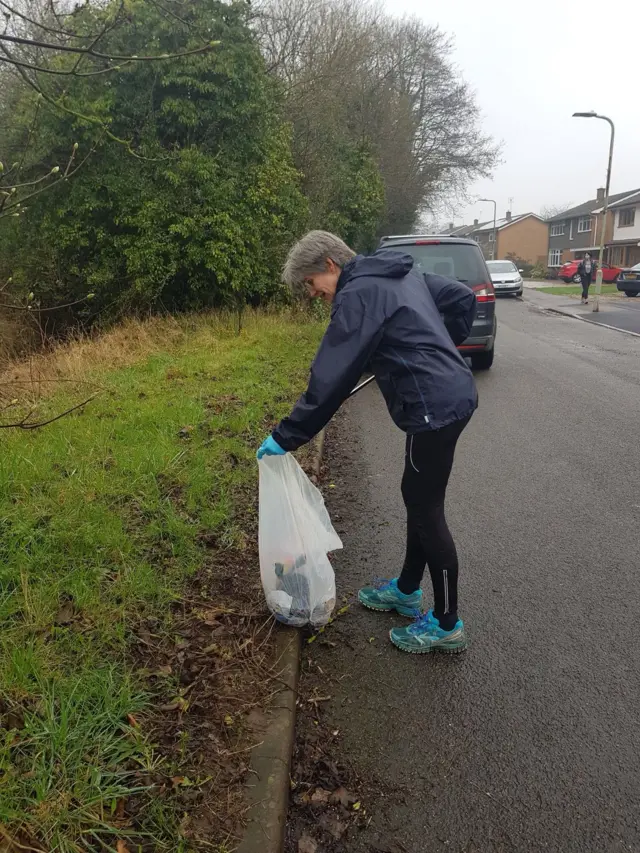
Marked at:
<point>618,312</point>
<point>531,740</point>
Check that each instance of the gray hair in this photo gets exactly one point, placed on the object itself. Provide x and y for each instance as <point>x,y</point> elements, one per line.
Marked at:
<point>310,254</point>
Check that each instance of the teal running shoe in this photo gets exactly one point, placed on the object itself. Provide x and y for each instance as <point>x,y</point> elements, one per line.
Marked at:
<point>426,635</point>
<point>387,597</point>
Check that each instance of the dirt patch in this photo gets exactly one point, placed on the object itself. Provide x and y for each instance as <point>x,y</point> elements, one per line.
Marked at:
<point>351,818</point>
<point>212,674</point>
<point>211,677</point>
<point>327,803</point>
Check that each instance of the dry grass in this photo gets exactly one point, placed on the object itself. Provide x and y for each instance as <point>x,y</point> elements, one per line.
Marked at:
<point>80,359</point>
<point>16,336</point>
<point>120,347</point>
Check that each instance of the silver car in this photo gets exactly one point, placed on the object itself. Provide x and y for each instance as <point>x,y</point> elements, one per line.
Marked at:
<point>505,277</point>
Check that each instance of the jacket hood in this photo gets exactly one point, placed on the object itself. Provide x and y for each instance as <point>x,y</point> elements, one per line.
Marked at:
<point>385,263</point>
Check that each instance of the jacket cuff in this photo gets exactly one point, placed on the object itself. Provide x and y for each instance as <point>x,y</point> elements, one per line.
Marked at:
<point>287,443</point>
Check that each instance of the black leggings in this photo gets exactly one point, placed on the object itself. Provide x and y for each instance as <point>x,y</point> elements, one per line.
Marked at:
<point>429,459</point>
<point>586,283</point>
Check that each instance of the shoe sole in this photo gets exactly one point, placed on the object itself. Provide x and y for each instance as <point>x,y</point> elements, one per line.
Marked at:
<point>430,650</point>
<point>409,613</point>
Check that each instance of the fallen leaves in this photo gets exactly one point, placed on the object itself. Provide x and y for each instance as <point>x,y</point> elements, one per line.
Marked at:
<point>343,798</point>
<point>336,828</point>
<point>211,668</point>
<point>320,797</point>
<point>179,704</point>
<point>65,614</point>
<point>306,844</point>
<point>326,804</point>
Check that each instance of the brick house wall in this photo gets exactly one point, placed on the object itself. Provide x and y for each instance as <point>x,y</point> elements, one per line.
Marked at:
<point>527,239</point>
<point>608,231</point>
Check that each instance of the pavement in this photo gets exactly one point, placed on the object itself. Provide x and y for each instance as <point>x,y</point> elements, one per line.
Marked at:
<point>619,313</point>
<point>530,740</point>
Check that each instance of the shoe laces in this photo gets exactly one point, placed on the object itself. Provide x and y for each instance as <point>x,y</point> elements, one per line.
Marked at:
<point>382,584</point>
<point>423,620</point>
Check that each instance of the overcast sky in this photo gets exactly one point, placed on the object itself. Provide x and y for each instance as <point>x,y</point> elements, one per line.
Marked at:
<point>532,65</point>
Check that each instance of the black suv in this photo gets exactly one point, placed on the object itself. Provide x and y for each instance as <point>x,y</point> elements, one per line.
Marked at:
<point>455,257</point>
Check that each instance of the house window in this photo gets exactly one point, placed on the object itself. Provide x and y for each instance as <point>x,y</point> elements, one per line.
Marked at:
<point>491,237</point>
<point>555,258</point>
<point>557,230</point>
<point>617,256</point>
<point>584,224</point>
<point>627,217</point>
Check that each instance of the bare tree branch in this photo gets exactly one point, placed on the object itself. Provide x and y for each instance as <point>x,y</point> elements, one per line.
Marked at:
<point>42,69</point>
<point>88,51</point>
<point>27,424</point>
<point>7,193</point>
<point>53,30</point>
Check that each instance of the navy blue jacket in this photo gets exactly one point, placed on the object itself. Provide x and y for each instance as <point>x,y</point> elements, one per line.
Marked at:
<point>402,326</point>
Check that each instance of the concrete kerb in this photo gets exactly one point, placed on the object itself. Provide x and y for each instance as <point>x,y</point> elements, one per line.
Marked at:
<point>269,779</point>
<point>564,313</point>
<point>270,773</point>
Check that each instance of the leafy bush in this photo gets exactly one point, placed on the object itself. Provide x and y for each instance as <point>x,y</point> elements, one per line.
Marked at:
<point>538,272</point>
<point>523,265</point>
<point>200,205</point>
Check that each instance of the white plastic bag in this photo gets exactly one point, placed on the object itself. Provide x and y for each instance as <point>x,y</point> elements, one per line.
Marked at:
<point>295,535</point>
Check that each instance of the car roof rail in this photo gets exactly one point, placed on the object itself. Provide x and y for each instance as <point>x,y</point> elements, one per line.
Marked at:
<point>425,237</point>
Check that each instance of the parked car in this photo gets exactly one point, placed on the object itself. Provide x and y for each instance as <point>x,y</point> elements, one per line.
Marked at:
<point>629,281</point>
<point>569,272</point>
<point>506,277</point>
<point>463,260</point>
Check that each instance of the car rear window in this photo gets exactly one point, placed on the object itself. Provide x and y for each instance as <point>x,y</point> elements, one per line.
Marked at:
<point>454,260</point>
<point>501,266</point>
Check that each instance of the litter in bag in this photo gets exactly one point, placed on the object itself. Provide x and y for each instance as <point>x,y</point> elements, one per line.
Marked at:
<point>295,536</point>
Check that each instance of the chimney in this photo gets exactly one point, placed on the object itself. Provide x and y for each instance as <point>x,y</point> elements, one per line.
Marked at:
<point>475,223</point>
<point>451,226</point>
<point>507,216</point>
<point>600,195</point>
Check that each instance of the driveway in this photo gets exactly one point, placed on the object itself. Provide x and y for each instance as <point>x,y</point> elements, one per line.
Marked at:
<point>529,741</point>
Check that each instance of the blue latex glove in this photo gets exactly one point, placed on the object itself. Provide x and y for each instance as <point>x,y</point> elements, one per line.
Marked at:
<point>270,447</point>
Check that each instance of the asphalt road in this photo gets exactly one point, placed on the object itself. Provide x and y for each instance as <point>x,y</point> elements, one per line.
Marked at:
<point>531,740</point>
<point>619,312</point>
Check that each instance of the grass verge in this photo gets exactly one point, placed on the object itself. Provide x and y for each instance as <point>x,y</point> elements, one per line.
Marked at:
<point>570,290</point>
<point>132,649</point>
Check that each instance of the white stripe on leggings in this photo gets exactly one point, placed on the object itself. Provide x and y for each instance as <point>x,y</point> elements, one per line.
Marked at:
<point>446,590</point>
<point>411,455</point>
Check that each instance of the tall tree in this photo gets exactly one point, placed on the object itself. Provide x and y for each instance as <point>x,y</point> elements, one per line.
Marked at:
<point>355,75</point>
<point>190,198</point>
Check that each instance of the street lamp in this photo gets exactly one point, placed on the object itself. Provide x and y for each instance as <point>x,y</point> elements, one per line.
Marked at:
<point>495,209</point>
<point>593,114</point>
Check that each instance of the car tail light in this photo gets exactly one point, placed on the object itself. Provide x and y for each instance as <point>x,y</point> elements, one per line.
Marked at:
<point>484,292</point>
<point>427,243</point>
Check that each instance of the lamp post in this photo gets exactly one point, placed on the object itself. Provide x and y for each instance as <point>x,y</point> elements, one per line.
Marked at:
<point>593,114</point>
<point>495,210</point>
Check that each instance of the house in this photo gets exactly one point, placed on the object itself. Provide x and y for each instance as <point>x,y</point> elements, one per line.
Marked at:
<point>578,229</point>
<point>524,237</point>
<point>458,230</point>
<point>623,248</point>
